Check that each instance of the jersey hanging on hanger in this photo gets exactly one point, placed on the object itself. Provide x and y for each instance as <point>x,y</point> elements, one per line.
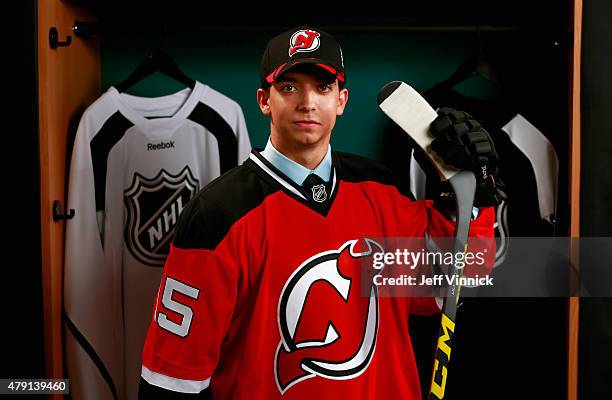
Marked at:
<point>136,163</point>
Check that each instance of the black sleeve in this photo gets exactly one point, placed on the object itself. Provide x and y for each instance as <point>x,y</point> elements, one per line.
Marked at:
<point>148,391</point>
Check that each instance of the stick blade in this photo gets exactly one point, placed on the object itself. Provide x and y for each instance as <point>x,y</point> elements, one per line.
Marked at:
<point>411,112</point>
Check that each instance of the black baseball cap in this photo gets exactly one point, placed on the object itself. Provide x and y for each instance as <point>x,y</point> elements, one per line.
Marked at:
<point>302,45</point>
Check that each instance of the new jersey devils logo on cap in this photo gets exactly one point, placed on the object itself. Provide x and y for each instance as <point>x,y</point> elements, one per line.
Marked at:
<point>328,323</point>
<point>303,41</point>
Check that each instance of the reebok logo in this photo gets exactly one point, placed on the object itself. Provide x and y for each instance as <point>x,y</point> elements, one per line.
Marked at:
<point>160,146</point>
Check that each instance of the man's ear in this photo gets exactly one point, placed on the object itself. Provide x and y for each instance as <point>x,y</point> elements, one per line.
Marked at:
<point>263,100</point>
<point>342,99</point>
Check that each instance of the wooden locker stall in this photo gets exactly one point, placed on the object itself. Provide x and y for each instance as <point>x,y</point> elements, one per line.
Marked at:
<point>70,79</point>
<point>574,185</point>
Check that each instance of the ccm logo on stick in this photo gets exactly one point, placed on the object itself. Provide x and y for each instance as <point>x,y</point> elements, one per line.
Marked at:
<point>443,358</point>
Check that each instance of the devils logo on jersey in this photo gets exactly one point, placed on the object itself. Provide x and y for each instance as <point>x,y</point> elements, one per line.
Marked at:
<point>304,41</point>
<point>153,207</point>
<point>327,326</point>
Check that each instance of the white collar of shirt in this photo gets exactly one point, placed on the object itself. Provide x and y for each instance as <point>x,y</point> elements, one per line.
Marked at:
<point>296,172</point>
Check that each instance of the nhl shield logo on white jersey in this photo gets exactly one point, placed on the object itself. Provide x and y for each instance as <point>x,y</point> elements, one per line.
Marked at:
<point>318,193</point>
<point>152,210</point>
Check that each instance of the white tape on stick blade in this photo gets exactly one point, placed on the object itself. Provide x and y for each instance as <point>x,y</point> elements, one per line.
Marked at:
<point>408,109</point>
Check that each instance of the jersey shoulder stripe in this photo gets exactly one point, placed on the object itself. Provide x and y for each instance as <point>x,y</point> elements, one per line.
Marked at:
<point>208,217</point>
<point>111,132</point>
<point>210,119</point>
<point>355,169</point>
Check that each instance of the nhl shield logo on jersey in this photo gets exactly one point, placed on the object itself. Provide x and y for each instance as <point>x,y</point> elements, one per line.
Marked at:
<point>152,210</point>
<point>328,328</point>
<point>303,41</point>
<point>318,193</point>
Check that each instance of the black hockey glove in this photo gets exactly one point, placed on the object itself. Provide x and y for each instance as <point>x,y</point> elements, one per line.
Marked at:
<point>462,142</point>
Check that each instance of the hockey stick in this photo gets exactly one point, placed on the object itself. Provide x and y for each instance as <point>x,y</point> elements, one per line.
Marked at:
<point>414,115</point>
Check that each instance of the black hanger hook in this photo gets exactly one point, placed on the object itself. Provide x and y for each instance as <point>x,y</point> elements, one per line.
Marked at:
<point>57,212</point>
<point>54,41</point>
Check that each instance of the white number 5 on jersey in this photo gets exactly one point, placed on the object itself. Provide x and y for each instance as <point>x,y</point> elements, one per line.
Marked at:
<point>186,312</point>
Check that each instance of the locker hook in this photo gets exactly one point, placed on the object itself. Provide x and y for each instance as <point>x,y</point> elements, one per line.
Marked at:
<point>57,212</point>
<point>54,41</point>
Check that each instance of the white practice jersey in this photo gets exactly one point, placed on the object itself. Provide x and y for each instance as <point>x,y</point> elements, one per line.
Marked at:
<point>136,162</point>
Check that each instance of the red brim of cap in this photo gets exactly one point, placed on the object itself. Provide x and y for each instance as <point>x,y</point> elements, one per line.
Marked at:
<point>287,66</point>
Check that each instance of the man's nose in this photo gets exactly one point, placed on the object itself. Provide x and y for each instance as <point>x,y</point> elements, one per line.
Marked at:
<point>308,100</point>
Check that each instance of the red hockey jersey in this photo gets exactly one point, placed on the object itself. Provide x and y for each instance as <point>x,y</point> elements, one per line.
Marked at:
<point>261,294</point>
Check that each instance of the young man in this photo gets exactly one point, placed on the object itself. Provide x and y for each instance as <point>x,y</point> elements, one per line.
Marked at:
<point>261,296</point>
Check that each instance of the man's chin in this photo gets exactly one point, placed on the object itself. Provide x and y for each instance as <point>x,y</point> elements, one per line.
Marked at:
<point>309,138</point>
